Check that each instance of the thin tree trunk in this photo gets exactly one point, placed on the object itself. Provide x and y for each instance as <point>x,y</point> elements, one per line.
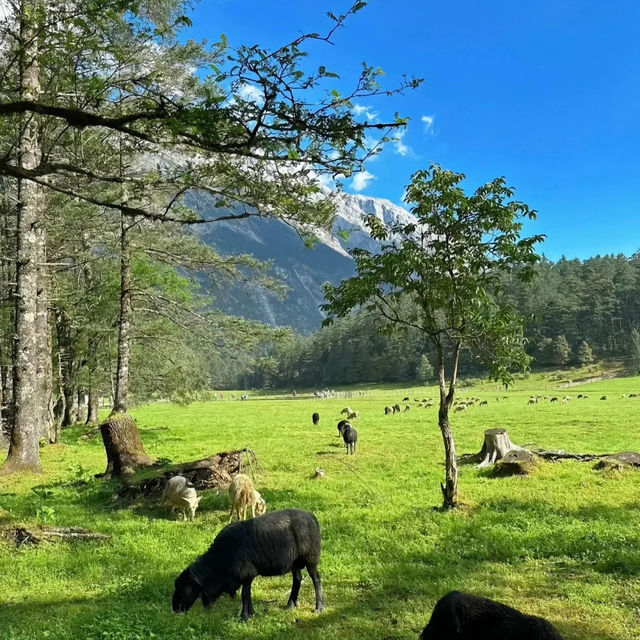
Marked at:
<point>28,403</point>
<point>68,371</point>
<point>450,487</point>
<point>93,406</point>
<point>124,327</point>
<point>81,409</point>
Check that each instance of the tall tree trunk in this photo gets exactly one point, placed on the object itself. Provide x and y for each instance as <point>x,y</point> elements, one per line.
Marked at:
<point>93,406</point>
<point>27,398</point>
<point>450,487</point>
<point>94,391</point>
<point>68,369</point>
<point>124,327</point>
<point>81,409</point>
<point>59,407</point>
<point>44,364</point>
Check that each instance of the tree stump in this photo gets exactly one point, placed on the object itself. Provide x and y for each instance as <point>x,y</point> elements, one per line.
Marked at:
<point>496,446</point>
<point>122,442</point>
<point>619,461</point>
<point>517,462</point>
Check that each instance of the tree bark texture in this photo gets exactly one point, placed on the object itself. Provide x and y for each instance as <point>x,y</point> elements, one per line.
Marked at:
<point>81,412</point>
<point>27,401</point>
<point>93,406</point>
<point>122,442</point>
<point>214,472</point>
<point>495,447</point>
<point>68,368</point>
<point>450,486</point>
<point>124,327</point>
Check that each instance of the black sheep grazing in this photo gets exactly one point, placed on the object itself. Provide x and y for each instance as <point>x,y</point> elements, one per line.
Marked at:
<point>460,616</point>
<point>316,418</point>
<point>269,545</point>
<point>341,425</point>
<point>350,437</point>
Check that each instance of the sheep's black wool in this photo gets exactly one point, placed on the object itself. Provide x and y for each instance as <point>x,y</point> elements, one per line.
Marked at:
<point>341,425</point>
<point>460,616</point>
<point>270,545</point>
<point>350,437</point>
<point>316,418</point>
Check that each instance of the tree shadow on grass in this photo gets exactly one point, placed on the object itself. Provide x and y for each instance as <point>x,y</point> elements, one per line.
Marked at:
<point>391,596</point>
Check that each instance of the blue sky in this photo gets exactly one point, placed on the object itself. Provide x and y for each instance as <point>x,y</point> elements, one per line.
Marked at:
<point>546,93</point>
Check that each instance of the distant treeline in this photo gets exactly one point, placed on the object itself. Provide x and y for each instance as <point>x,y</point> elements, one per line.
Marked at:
<point>576,312</point>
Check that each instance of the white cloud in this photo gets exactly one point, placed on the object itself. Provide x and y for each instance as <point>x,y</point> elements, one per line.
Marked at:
<point>399,144</point>
<point>250,93</point>
<point>428,123</point>
<point>361,180</point>
<point>360,109</point>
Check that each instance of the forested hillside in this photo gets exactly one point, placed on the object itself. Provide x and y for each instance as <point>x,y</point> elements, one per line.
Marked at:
<point>577,312</point>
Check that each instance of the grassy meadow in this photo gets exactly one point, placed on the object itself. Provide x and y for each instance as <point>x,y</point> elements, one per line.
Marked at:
<point>564,543</point>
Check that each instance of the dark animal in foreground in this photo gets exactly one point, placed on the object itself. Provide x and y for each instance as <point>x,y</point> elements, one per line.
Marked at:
<point>341,424</point>
<point>316,418</point>
<point>350,437</point>
<point>461,616</point>
<point>270,545</point>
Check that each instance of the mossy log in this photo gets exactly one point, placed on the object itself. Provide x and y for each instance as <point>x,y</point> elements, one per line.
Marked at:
<point>496,446</point>
<point>620,461</point>
<point>214,472</point>
<point>122,442</point>
<point>517,462</point>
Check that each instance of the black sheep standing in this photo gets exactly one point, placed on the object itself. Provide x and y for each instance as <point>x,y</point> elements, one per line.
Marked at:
<point>349,435</point>
<point>316,419</point>
<point>460,616</point>
<point>269,545</point>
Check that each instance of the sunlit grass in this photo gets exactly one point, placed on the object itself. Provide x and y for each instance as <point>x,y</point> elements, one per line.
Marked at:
<point>564,543</point>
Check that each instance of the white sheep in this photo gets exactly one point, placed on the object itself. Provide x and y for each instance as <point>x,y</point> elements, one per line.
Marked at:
<point>181,494</point>
<point>243,495</point>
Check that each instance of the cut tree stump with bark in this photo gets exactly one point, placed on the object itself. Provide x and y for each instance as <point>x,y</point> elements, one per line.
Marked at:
<point>214,472</point>
<point>497,445</point>
<point>122,442</point>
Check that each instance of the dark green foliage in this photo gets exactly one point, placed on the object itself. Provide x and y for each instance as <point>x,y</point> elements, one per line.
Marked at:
<point>425,370</point>
<point>585,354</point>
<point>560,351</point>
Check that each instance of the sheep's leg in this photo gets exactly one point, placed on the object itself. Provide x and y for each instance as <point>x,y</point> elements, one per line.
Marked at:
<point>253,510</point>
<point>231,515</point>
<point>247,604</point>
<point>317,585</point>
<point>295,588</point>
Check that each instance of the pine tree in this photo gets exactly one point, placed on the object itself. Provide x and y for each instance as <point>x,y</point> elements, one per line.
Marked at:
<point>561,353</point>
<point>585,354</point>
<point>425,370</point>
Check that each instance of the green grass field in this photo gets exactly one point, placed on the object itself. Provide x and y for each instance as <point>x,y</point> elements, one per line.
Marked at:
<point>564,543</point>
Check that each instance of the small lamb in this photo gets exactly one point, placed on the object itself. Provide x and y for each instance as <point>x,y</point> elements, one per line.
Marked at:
<point>181,494</point>
<point>243,495</point>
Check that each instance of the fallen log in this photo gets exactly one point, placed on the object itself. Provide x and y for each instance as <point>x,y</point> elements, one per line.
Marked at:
<point>565,455</point>
<point>214,472</point>
<point>23,535</point>
<point>517,462</point>
<point>619,461</point>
